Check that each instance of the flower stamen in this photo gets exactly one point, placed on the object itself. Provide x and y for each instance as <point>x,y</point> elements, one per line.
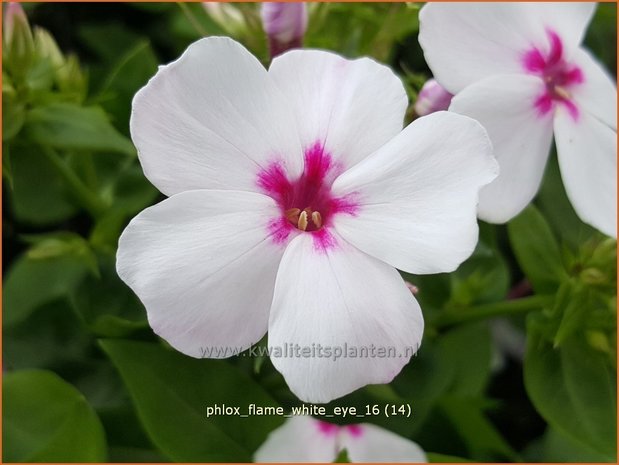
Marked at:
<point>302,223</point>
<point>317,219</point>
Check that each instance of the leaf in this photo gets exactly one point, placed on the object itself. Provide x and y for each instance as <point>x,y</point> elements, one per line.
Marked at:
<point>31,283</point>
<point>47,420</point>
<point>482,439</point>
<point>72,127</point>
<point>556,447</point>
<point>574,388</point>
<point>130,72</point>
<point>106,305</point>
<point>171,392</point>
<point>468,348</point>
<point>558,210</point>
<point>537,250</point>
<point>39,196</point>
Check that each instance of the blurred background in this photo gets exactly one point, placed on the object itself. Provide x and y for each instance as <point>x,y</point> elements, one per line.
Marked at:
<point>518,361</point>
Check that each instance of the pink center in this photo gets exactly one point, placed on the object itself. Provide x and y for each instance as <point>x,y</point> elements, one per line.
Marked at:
<point>306,203</point>
<point>329,429</point>
<point>560,77</point>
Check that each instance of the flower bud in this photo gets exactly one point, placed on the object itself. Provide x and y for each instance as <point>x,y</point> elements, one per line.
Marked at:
<point>46,47</point>
<point>432,97</point>
<point>18,40</point>
<point>284,24</point>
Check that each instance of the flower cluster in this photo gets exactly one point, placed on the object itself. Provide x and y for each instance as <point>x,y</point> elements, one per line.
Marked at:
<point>519,69</point>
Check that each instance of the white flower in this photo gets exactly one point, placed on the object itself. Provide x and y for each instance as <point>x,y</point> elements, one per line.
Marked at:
<point>285,24</point>
<point>303,439</point>
<point>293,195</point>
<point>519,69</point>
<point>432,97</point>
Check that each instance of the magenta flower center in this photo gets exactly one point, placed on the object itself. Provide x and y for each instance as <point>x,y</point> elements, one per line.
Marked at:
<point>305,203</point>
<point>560,77</point>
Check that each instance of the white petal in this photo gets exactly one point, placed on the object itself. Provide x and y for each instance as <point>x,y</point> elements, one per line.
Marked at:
<point>598,94</point>
<point>587,152</point>
<point>465,42</point>
<point>521,138</point>
<point>367,443</point>
<point>354,106</point>
<point>300,439</point>
<point>211,119</point>
<point>339,299</point>
<point>418,194</point>
<point>203,264</point>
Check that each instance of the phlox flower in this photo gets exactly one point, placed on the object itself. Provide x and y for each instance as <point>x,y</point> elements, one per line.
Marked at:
<point>293,195</point>
<point>307,440</point>
<point>519,69</point>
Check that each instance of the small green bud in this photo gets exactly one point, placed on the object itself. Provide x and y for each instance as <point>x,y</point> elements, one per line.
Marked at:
<point>46,47</point>
<point>593,276</point>
<point>18,40</point>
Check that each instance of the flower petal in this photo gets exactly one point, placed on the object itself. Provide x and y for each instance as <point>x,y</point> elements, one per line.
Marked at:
<point>521,138</point>
<point>211,119</point>
<point>326,303</point>
<point>417,195</point>
<point>598,94</point>
<point>489,38</point>
<point>354,106</point>
<point>367,443</point>
<point>204,267</point>
<point>300,439</point>
<point>587,151</point>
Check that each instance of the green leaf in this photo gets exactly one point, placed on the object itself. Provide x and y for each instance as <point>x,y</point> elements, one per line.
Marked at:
<point>69,126</point>
<point>127,76</point>
<point>31,283</point>
<point>481,438</point>
<point>13,116</point>
<point>471,367</point>
<point>573,304</point>
<point>46,419</point>
<point>171,392</point>
<point>39,196</point>
<point>537,250</point>
<point>558,210</point>
<point>557,447</point>
<point>574,388</point>
<point>107,305</point>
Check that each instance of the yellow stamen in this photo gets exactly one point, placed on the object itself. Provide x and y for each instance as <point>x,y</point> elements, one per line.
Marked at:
<point>317,219</point>
<point>292,215</point>
<point>302,223</point>
<point>561,92</point>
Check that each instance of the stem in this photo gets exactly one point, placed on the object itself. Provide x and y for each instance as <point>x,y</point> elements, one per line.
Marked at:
<point>88,199</point>
<point>192,19</point>
<point>481,312</point>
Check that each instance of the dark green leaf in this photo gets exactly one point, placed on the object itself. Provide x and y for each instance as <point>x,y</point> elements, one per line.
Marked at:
<point>31,283</point>
<point>171,392</point>
<point>574,388</point>
<point>69,126</point>
<point>47,420</point>
<point>39,195</point>
<point>537,250</point>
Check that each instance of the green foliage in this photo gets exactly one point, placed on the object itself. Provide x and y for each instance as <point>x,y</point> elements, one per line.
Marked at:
<point>170,389</point>
<point>574,388</point>
<point>47,420</point>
